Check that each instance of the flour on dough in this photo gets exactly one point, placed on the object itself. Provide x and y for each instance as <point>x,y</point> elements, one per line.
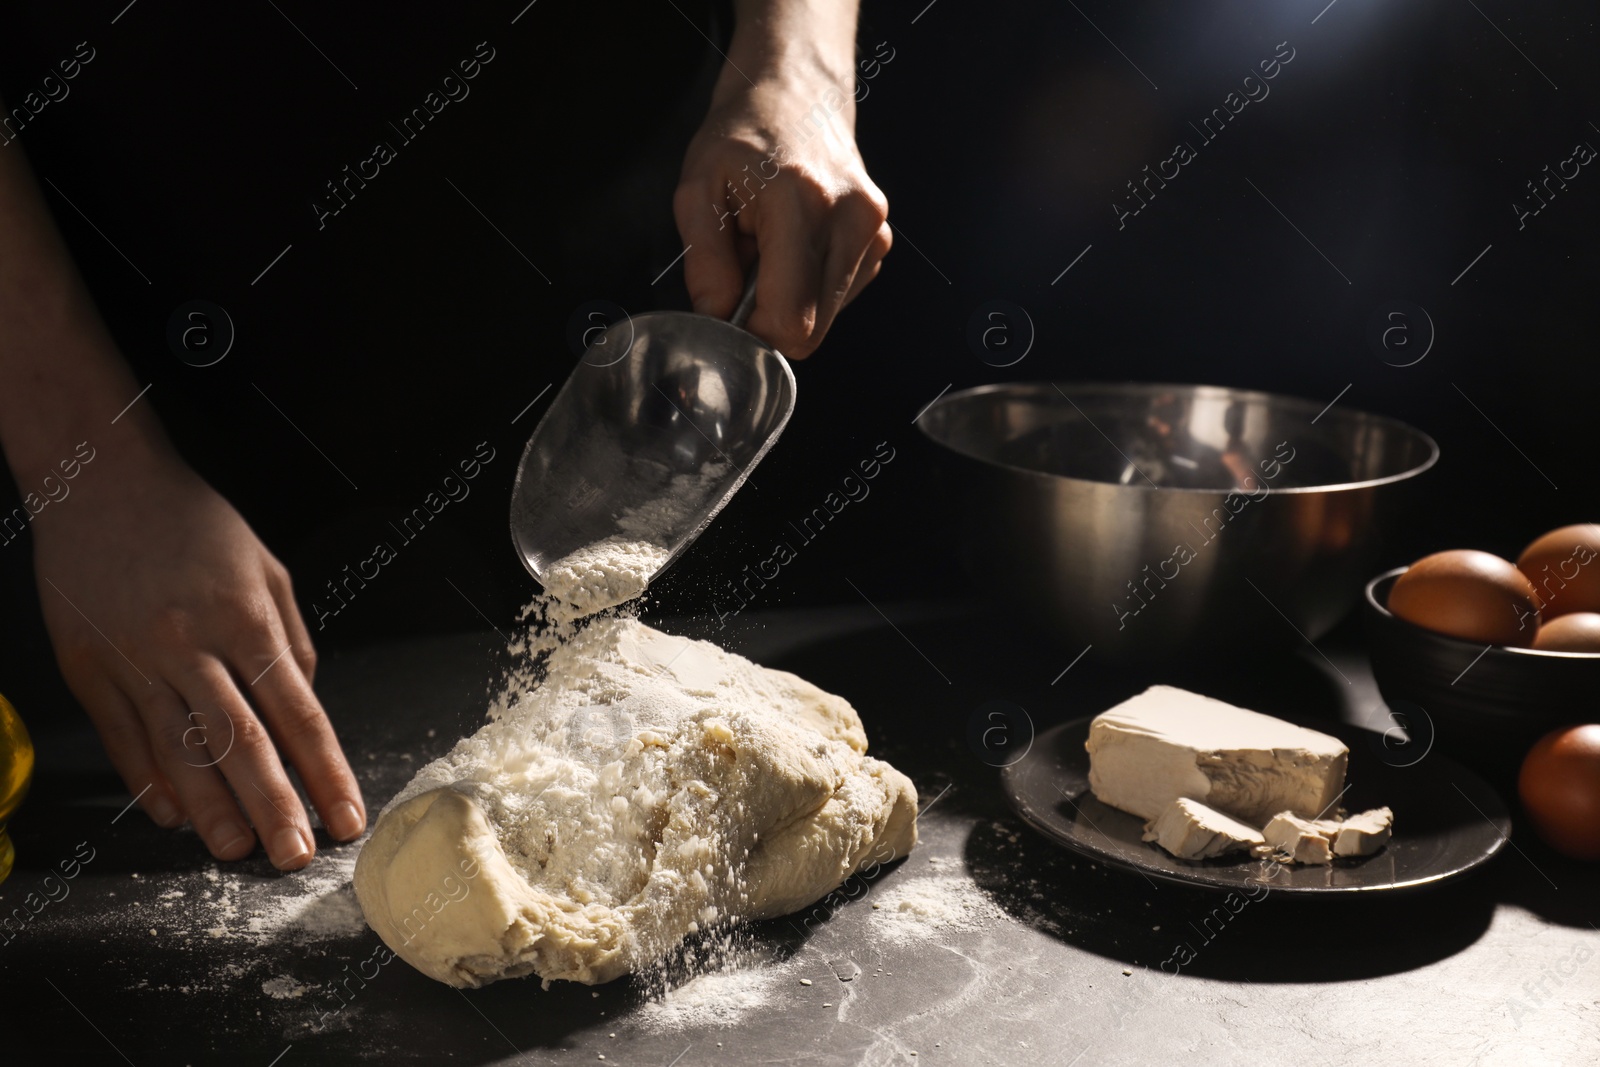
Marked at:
<point>649,786</point>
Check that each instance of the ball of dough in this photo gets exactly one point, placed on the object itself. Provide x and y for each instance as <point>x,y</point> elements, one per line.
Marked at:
<point>650,787</point>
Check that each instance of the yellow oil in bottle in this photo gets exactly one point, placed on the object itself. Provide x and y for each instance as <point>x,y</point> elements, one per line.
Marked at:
<point>16,771</point>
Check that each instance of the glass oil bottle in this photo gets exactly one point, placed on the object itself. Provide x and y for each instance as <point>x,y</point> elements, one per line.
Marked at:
<point>16,771</point>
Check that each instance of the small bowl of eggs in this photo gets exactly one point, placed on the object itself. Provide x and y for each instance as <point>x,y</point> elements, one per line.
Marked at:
<point>1485,656</point>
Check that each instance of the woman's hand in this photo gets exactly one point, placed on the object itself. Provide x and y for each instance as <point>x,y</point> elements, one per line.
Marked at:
<point>173,625</point>
<point>178,632</point>
<point>774,171</point>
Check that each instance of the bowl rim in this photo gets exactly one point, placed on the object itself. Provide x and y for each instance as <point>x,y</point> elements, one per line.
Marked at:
<point>1530,653</point>
<point>1024,388</point>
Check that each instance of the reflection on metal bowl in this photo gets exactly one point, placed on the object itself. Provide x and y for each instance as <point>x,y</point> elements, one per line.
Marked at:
<point>1162,520</point>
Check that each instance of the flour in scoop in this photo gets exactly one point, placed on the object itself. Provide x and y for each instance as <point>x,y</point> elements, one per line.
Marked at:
<point>604,574</point>
<point>616,569</point>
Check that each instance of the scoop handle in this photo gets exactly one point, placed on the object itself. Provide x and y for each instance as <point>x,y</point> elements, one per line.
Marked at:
<point>747,300</point>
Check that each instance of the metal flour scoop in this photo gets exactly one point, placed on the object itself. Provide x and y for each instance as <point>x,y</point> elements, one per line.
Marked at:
<point>655,429</point>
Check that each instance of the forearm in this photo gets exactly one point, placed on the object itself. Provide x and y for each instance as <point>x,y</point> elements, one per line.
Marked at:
<point>789,43</point>
<point>62,380</point>
<point>776,163</point>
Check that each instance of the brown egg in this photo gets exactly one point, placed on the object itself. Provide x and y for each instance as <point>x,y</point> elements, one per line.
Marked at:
<point>1577,631</point>
<point>1560,790</point>
<point>1468,594</point>
<point>1564,567</point>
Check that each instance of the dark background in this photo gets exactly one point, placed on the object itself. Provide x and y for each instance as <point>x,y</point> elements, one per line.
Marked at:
<point>407,330</point>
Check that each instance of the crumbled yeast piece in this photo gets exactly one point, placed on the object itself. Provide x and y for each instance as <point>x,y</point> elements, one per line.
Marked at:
<point>1300,840</point>
<point>1191,831</point>
<point>1364,834</point>
<point>1293,838</point>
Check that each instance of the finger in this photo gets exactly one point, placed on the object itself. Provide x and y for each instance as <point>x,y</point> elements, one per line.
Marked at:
<point>863,278</point>
<point>709,228</point>
<point>853,231</point>
<point>244,753</point>
<point>296,718</point>
<point>180,747</point>
<point>123,734</point>
<point>871,262</point>
<point>839,274</point>
<point>790,283</point>
<point>843,263</point>
<point>299,638</point>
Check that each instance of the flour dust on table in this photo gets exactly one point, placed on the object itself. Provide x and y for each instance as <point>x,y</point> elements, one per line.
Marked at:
<point>630,789</point>
<point>943,901</point>
<point>241,908</point>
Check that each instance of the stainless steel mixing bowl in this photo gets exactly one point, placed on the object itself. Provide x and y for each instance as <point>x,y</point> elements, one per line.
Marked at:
<point>1162,520</point>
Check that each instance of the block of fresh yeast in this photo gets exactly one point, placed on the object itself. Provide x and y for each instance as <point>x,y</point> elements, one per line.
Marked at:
<point>1167,743</point>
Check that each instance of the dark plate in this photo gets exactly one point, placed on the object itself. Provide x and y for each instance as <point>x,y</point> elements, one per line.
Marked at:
<point>1447,820</point>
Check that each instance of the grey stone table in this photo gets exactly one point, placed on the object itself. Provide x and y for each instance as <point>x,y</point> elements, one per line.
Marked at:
<point>153,953</point>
